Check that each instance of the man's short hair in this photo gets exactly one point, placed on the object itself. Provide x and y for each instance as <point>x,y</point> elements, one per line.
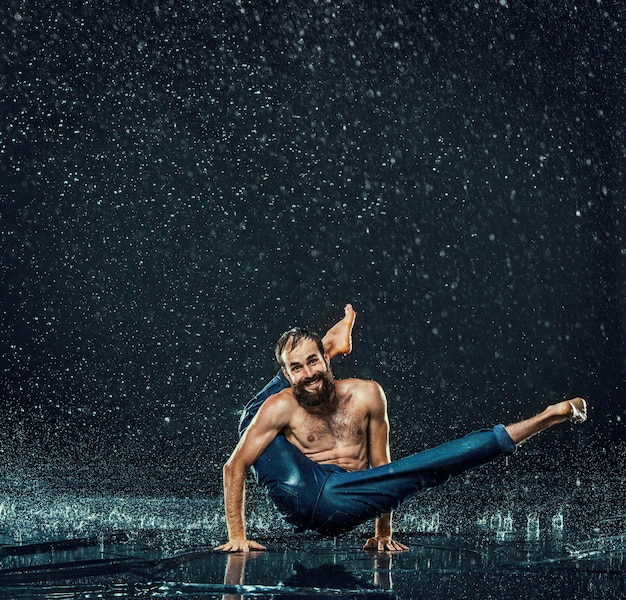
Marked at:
<point>291,338</point>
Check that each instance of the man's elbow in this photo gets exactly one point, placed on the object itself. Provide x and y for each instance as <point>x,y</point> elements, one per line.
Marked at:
<point>228,469</point>
<point>232,467</point>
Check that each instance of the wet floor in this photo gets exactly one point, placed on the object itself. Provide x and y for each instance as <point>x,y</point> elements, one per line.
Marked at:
<point>434,567</point>
<point>113,546</point>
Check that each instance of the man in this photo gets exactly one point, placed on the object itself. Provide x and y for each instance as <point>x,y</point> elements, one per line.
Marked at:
<point>321,446</point>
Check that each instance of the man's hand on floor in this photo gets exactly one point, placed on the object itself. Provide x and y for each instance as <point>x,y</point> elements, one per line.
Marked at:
<point>240,545</point>
<point>384,544</point>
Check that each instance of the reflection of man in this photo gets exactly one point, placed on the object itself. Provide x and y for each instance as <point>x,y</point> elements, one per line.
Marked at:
<point>317,579</point>
<point>321,446</point>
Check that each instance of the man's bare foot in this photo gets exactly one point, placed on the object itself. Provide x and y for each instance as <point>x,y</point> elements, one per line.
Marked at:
<point>574,410</point>
<point>338,339</point>
<point>577,410</point>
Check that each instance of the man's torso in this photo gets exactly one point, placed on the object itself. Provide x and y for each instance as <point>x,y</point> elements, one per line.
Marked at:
<point>339,438</point>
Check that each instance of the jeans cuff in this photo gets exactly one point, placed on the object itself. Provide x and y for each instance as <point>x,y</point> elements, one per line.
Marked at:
<point>507,445</point>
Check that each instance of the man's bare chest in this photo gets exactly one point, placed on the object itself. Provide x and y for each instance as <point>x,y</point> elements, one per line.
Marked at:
<point>342,427</point>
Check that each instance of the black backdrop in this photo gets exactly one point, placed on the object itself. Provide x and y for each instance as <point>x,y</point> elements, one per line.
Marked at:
<point>182,181</point>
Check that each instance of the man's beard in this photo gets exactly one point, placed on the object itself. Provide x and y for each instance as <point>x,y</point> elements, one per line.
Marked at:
<point>322,401</point>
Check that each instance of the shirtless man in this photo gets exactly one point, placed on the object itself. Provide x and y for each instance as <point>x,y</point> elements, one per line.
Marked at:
<point>321,446</point>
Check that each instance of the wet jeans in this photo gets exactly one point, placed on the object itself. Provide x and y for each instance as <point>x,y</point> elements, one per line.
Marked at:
<point>331,500</point>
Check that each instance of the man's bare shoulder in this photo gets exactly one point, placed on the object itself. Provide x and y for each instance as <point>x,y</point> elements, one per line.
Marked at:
<point>281,403</point>
<point>360,384</point>
<point>365,390</point>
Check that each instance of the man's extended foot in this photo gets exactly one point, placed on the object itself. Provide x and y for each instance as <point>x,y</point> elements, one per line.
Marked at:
<point>338,339</point>
<point>577,412</point>
<point>574,410</point>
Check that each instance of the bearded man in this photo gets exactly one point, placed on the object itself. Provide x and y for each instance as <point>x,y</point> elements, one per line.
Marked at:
<point>320,446</point>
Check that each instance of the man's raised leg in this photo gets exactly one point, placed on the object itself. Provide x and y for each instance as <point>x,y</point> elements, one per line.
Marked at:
<point>574,410</point>
<point>338,339</point>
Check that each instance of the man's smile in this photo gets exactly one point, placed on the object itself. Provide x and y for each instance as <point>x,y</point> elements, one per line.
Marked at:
<point>313,385</point>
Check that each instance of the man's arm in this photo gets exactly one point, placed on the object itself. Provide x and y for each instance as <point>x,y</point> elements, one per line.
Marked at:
<point>266,425</point>
<point>379,454</point>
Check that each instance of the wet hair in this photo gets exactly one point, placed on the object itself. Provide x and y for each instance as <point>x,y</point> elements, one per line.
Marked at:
<point>291,338</point>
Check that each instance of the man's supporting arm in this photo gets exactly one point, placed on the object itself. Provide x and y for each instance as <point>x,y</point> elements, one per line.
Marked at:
<point>234,501</point>
<point>264,428</point>
<point>379,454</point>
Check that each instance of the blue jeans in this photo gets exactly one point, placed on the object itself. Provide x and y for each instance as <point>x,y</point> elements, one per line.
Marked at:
<point>331,500</point>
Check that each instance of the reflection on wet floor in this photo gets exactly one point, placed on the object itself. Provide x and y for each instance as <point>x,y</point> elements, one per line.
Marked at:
<point>113,546</point>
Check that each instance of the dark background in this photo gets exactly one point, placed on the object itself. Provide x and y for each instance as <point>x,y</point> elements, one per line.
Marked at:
<point>183,181</point>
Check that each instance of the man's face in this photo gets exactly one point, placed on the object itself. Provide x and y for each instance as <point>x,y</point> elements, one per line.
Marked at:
<point>310,376</point>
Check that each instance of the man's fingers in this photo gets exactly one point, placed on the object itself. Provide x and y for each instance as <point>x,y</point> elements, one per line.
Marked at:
<point>384,545</point>
<point>240,546</point>
<point>255,546</point>
<point>399,547</point>
<point>391,547</point>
